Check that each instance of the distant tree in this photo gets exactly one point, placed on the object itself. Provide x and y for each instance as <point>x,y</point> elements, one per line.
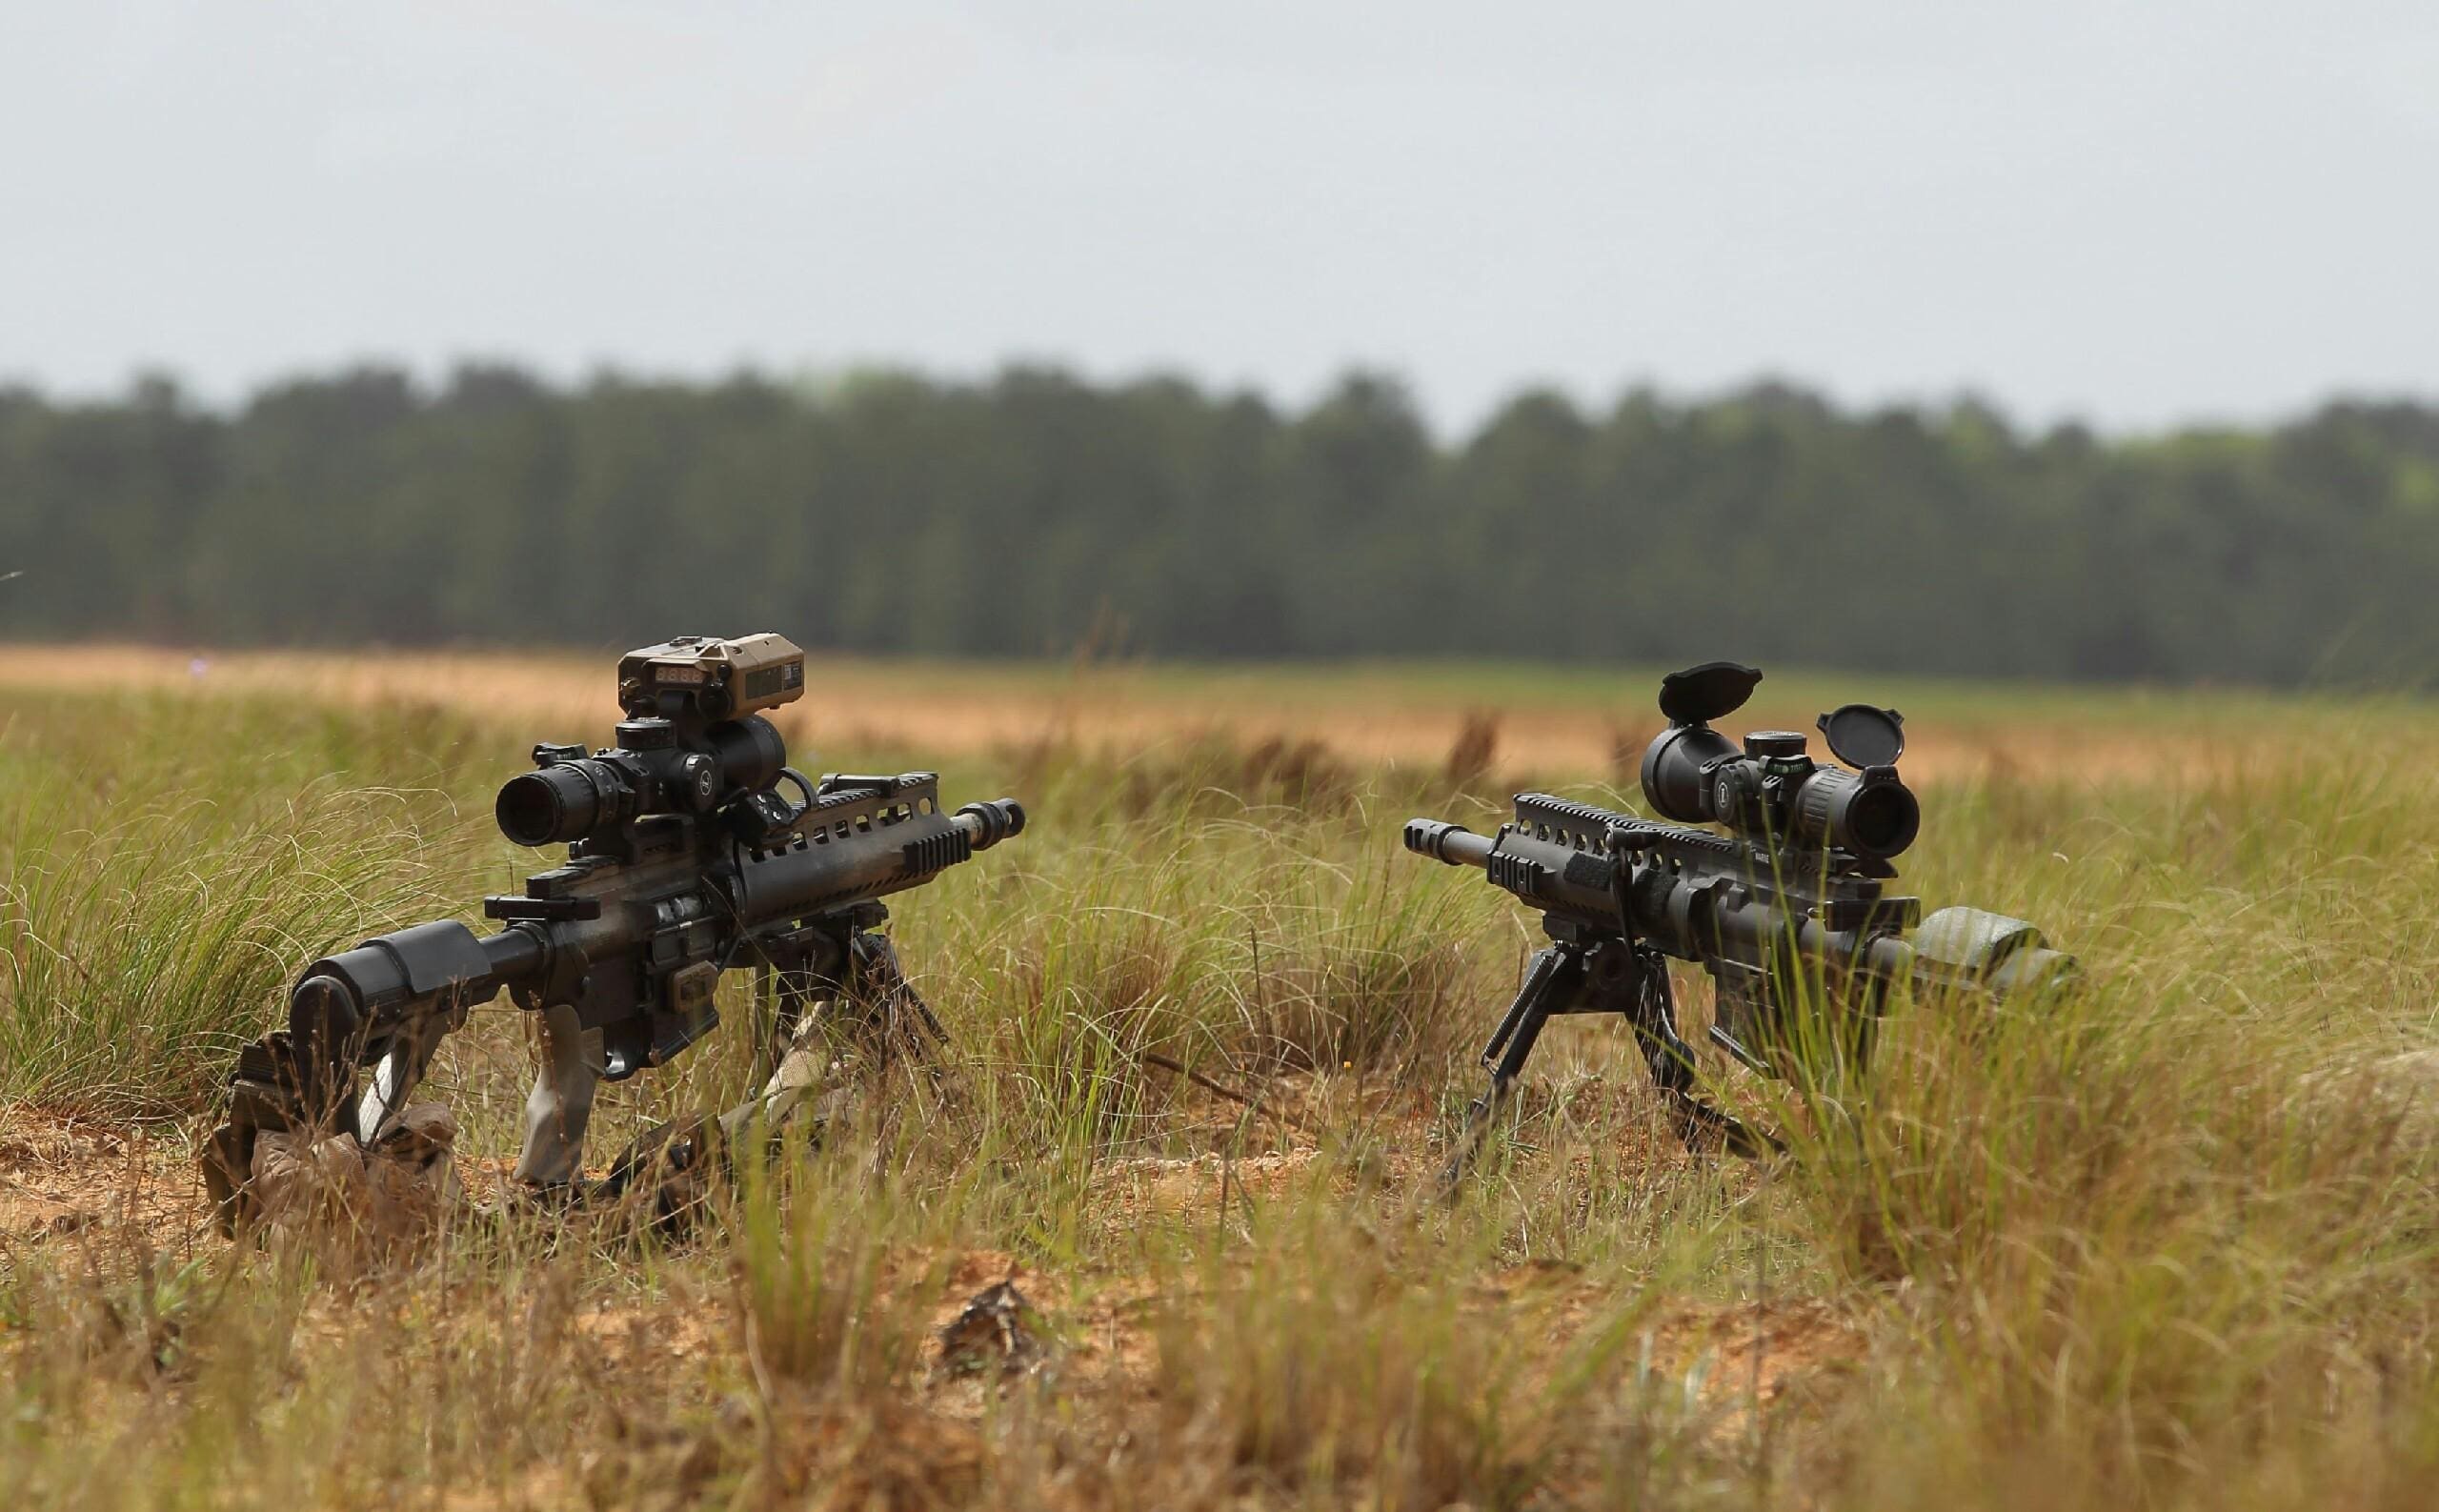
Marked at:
<point>884,510</point>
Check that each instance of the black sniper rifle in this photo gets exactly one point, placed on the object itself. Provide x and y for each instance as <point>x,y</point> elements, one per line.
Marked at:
<point>685,860</point>
<point>1786,912</point>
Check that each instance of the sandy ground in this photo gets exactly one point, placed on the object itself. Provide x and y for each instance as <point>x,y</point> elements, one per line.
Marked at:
<point>970,709</point>
<point>88,1192</point>
<point>65,1182</point>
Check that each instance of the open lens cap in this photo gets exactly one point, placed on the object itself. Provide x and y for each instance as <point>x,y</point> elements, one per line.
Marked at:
<point>1861,736</point>
<point>1711,690</point>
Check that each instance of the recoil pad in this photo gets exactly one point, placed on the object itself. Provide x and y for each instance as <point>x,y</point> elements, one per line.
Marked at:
<point>276,1088</point>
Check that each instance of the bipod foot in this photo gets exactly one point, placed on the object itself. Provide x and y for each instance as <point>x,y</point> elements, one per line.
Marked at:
<point>1707,1130</point>
<point>670,1175</point>
<point>273,1090</point>
<point>1480,1115</point>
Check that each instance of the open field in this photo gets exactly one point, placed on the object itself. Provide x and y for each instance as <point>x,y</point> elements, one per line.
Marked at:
<point>1574,723</point>
<point>2173,1243</point>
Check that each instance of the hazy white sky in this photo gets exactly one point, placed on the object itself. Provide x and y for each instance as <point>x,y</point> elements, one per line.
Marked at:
<point>2134,214</point>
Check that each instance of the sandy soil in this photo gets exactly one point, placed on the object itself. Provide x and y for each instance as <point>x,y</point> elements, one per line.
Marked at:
<point>75,1183</point>
<point>67,1180</point>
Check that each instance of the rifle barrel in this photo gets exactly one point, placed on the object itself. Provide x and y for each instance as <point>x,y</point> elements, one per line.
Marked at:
<point>1452,843</point>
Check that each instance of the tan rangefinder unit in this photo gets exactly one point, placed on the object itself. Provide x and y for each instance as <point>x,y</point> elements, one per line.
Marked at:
<point>719,679</point>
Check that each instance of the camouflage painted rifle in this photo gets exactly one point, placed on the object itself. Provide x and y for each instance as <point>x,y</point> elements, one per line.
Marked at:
<point>686,859</point>
<point>1788,911</point>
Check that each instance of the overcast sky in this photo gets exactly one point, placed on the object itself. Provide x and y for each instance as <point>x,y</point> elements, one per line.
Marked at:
<point>2137,215</point>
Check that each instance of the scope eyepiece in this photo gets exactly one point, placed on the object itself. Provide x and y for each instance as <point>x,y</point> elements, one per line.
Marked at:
<point>1675,773</point>
<point>1870,815</point>
<point>749,752</point>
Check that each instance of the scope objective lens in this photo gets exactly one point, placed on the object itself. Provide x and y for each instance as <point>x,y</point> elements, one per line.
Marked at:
<point>1875,820</point>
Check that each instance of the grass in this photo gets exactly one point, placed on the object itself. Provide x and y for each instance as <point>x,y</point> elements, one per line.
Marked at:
<point>165,868</point>
<point>2169,1244</point>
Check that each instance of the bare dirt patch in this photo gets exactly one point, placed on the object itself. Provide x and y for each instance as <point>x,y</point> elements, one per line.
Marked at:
<point>61,1178</point>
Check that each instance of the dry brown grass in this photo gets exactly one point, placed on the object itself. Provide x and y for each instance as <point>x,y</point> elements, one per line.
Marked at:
<point>1475,725</point>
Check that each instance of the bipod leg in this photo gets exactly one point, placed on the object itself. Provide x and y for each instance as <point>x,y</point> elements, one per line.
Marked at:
<point>787,981</point>
<point>895,1010</point>
<point>1699,1125</point>
<point>848,1010</point>
<point>796,1054</point>
<point>1551,983</point>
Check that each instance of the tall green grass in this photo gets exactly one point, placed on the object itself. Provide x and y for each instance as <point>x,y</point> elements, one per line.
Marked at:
<point>169,865</point>
<point>2166,1243</point>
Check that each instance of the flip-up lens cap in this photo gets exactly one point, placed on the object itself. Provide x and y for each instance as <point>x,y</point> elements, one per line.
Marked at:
<point>1861,736</point>
<point>1711,690</point>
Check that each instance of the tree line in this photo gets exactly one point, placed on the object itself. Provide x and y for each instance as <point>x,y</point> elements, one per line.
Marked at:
<point>1032,513</point>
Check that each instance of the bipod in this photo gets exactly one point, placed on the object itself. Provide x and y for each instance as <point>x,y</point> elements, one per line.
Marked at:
<point>1605,974</point>
<point>839,987</point>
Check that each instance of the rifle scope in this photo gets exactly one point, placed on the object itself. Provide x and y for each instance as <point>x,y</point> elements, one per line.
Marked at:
<point>1771,791</point>
<point>653,769</point>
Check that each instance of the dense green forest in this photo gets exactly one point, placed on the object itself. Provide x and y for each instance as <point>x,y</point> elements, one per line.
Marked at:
<point>1034,513</point>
